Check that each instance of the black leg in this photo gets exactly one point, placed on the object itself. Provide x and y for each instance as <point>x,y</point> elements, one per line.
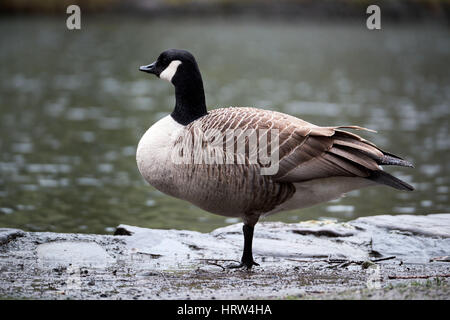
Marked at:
<point>247,256</point>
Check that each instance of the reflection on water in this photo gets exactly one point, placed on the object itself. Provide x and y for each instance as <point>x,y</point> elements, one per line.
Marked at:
<point>73,107</point>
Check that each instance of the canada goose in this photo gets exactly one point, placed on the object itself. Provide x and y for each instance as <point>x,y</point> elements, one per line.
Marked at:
<point>316,164</point>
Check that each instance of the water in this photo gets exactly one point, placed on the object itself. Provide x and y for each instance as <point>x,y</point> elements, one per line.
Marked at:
<point>73,107</point>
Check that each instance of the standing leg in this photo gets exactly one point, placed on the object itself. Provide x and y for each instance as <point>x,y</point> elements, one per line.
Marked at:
<point>247,256</point>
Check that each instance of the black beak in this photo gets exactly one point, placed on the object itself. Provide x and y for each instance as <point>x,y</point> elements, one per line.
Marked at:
<point>149,68</point>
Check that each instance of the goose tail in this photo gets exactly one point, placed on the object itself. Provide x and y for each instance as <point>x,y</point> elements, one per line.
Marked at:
<point>366,154</point>
<point>385,178</point>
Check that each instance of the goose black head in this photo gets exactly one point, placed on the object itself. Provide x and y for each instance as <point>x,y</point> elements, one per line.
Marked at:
<point>180,68</point>
<point>174,65</point>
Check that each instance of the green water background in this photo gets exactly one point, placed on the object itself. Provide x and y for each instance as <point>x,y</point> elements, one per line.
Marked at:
<point>73,107</point>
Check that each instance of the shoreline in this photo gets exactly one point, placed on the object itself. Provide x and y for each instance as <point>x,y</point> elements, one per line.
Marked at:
<point>378,257</point>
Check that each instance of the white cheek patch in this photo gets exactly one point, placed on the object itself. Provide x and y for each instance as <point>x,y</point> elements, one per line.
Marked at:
<point>170,71</point>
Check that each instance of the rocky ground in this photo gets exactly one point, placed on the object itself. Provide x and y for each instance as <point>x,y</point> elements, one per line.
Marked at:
<point>380,257</point>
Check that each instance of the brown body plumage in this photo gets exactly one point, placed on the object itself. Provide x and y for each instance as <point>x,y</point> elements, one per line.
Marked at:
<point>307,153</point>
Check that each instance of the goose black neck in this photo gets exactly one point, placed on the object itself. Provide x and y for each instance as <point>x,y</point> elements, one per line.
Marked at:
<point>190,99</point>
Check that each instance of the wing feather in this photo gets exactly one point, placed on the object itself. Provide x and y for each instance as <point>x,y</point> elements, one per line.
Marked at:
<point>306,151</point>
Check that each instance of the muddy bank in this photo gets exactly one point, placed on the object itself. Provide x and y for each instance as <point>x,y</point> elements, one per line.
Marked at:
<point>365,258</point>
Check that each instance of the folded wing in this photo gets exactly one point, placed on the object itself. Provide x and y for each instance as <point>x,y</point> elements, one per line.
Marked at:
<point>308,152</point>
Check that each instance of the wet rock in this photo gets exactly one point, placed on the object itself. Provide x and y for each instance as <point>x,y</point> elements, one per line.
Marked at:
<point>433,225</point>
<point>122,232</point>
<point>296,259</point>
<point>415,239</point>
<point>297,240</point>
<point>7,235</point>
<point>73,253</point>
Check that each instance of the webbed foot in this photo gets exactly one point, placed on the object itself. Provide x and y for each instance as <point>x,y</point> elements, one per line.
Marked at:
<point>247,264</point>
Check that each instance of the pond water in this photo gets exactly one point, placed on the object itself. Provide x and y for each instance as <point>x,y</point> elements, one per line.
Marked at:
<point>74,106</point>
